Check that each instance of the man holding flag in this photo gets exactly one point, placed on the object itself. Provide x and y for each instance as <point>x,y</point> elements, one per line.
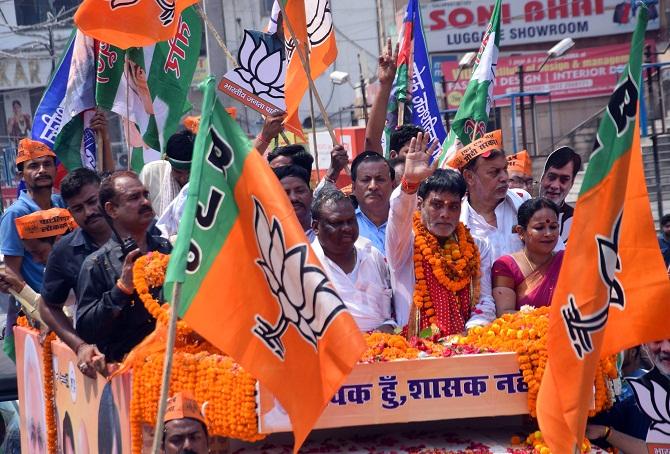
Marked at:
<point>613,291</point>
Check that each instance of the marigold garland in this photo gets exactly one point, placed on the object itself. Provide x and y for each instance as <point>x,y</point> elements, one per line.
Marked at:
<point>393,347</point>
<point>536,441</point>
<point>198,367</point>
<point>49,393</point>
<point>455,264</point>
<point>525,333</point>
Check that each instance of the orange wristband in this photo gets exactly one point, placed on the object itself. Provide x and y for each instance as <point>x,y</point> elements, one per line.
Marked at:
<point>408,188</point>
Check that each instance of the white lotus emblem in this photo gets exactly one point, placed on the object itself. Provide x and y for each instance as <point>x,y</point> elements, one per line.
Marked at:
<point>305,296</point>
<point>319,21</point>
<point>653,399</point>
<point>264,72</point>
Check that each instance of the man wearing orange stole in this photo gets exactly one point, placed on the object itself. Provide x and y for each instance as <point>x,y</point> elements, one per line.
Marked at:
<point>441,275</point>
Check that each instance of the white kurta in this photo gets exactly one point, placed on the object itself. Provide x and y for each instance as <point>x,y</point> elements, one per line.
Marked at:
<point>366,291</point>
<point>502,239</point>
<point>400,255</point>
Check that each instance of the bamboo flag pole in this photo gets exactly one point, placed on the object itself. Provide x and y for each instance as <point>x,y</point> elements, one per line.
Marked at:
<point>167,367</point>
<point>305,65</point>
<point>311,112</point>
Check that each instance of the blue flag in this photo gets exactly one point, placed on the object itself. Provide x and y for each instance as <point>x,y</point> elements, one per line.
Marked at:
<point>63,115</point>
<point>425,111</point>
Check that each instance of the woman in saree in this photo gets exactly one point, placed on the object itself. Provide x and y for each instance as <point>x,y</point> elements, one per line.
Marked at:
<point>529,276</point>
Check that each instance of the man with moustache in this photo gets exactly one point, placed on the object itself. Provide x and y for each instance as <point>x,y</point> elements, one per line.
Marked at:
<point>37,166</point>
<point>436,286</point>
<point>559,174</point>
<point>109,311</point>
<point>79,190</point>
<point>372,184</point>
<point>490,208</point>
<point>295,181</point>
<point>356,268</point>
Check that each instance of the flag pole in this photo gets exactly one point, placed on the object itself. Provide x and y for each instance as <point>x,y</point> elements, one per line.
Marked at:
<point>308,69</point>
<point>167,367</point>
<point>305,65</point>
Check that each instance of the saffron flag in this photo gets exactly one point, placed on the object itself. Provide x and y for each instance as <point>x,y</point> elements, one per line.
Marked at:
<point>148,86</point>
<point>251,284</point>
<point>473,112</point>
<point>613,290</point>
<point>130,23</point>
<point>312,23</point>
<point>63,115</point>
<point>398,107</point>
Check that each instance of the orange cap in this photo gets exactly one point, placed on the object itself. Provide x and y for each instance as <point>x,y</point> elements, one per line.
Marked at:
<point>44,223</point>
<point>183,405</point>
<point>192,123</point>
<point>520,162</point>
<point>481,147</point>
<point>32,149</point>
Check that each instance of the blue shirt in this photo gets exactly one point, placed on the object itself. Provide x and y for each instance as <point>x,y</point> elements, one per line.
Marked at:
<point>11,244</point>
<point>665,249</point>
<point>368,229</point>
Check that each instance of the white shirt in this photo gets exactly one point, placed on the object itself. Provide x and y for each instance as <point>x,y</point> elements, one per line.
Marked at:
<point>366,291</point>
<point>400,255</point>
<point>502,239</point>
<point>156,176</point>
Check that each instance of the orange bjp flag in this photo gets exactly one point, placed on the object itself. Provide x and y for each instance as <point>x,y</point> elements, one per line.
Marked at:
<point>130,23</point>
<point>312,23</point>
<point>251,284</point>
<point>613,291</point>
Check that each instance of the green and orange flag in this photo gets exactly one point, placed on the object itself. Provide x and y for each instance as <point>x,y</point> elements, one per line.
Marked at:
<point>251,283</point>
<point>613,291</point>
<point>130,23</point>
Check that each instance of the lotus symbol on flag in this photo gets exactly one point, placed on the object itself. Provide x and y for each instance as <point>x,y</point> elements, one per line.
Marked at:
<point>264,72</point>
<point>319,21</point>
<point>654,400</point>
<point>303,292</point>
<point>121,3</point>
<point>581,326</point>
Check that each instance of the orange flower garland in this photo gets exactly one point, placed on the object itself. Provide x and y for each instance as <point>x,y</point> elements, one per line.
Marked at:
<point>49,393</point>
<point>198,367</point>
<point>455,265</point>
<point>525,333</point>
<point>149,272</point>
<point>536,441</point>
<point>48,390</point>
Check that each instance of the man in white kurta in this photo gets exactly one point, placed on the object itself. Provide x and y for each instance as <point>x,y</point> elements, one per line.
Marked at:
<point>420,186</point>
<point>355,267</point>
<point>490,208</point>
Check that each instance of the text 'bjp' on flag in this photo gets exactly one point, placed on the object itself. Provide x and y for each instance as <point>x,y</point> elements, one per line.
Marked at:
<point>243,257</point>
<point>613,288</point>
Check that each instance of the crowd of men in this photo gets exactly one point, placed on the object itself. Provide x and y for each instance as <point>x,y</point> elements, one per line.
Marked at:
<point>382,243</point>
